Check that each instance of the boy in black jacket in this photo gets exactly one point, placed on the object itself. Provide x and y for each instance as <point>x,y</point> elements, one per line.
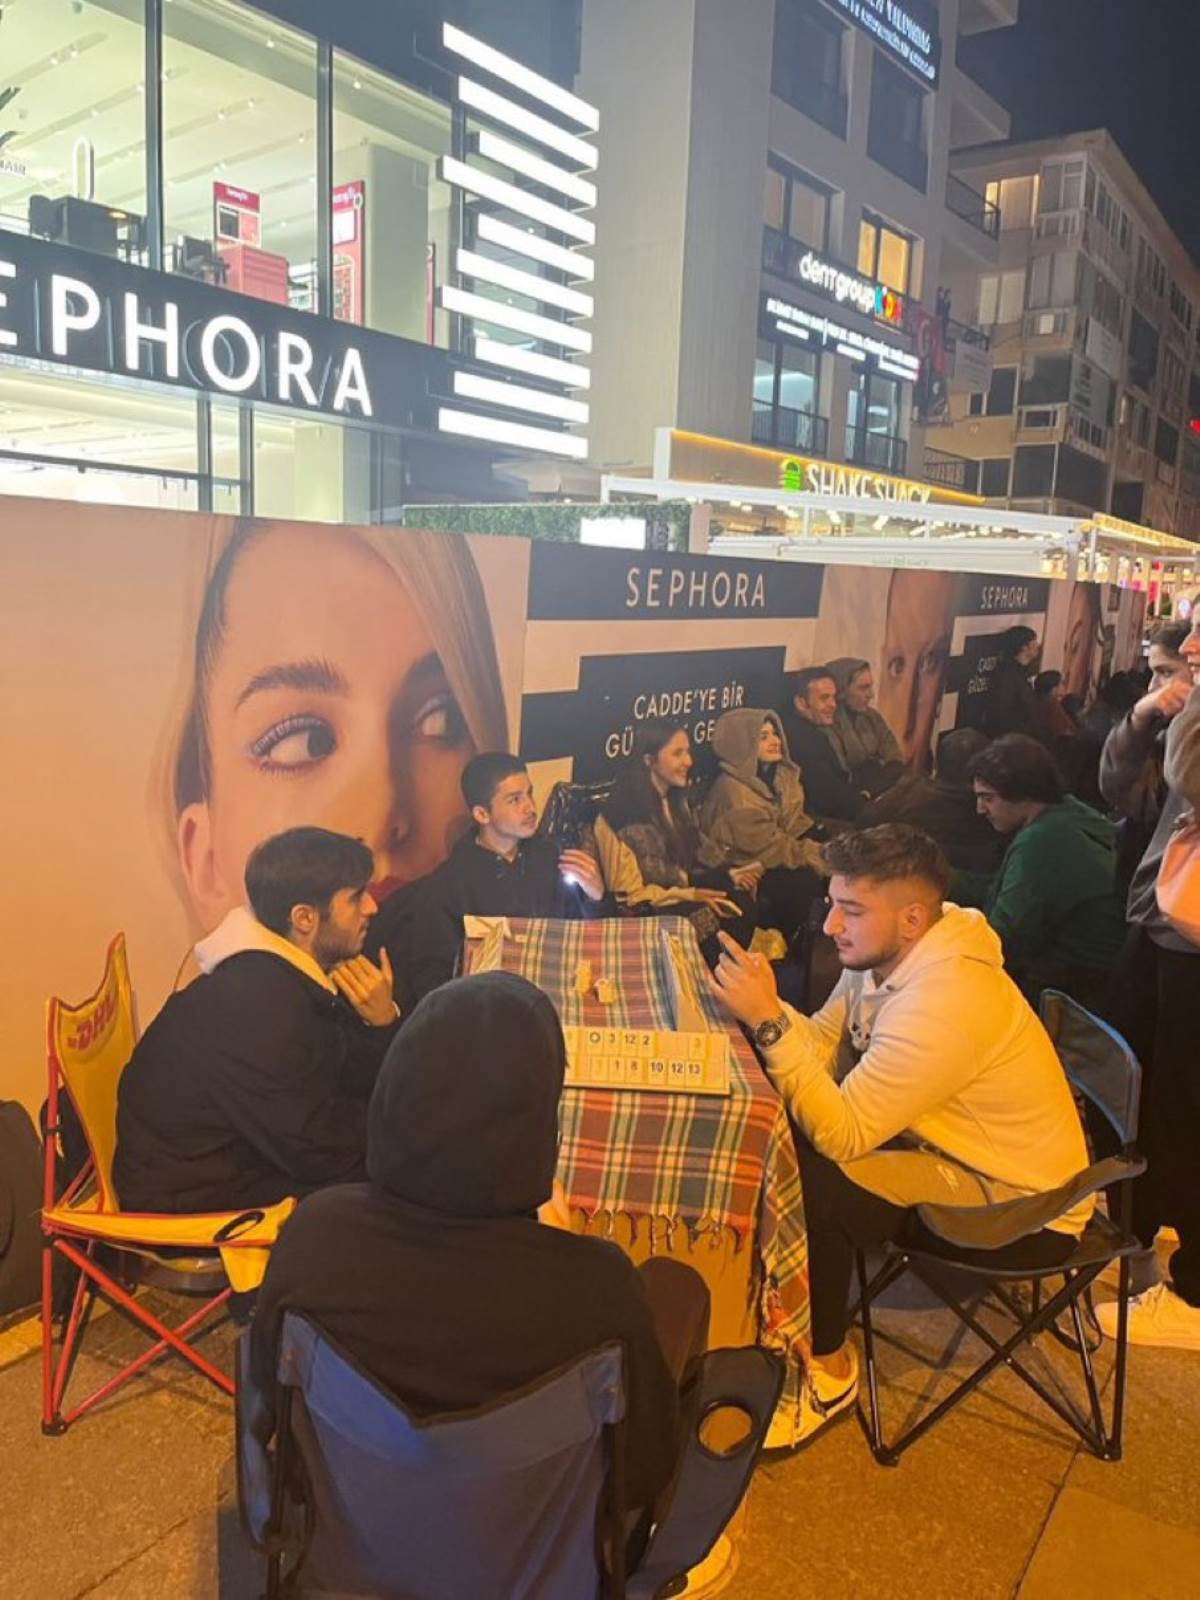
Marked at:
<point>252,1083</point>
<point>503,868</point>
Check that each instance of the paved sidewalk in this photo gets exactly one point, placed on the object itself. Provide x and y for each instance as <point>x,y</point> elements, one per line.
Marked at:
<point>138,1501</point>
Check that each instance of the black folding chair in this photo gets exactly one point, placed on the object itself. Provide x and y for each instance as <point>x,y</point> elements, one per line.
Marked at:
<point>1101,1067</point>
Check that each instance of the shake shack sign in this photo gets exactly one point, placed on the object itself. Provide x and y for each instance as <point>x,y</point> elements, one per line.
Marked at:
<point>85,310</point>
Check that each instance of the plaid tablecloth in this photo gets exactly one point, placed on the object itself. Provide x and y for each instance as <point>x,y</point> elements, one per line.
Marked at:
<point>704,1161</point>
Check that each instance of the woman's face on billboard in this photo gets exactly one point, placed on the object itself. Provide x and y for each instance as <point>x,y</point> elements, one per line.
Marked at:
<point>1080,640</point>
<point>916,647</point>
<point>327,705</point>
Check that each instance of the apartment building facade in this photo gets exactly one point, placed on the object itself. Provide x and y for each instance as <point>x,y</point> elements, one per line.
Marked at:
<point>773,256</point>
<point>1093,308</point>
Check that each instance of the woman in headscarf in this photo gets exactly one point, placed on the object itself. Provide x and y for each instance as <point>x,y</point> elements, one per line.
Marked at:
<point>869,749</point>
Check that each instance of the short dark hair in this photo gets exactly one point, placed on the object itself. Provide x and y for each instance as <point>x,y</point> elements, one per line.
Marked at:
<point>1019,768</point>
<point>484,774</point>
<point>887,853</point>
<point>1013,640</point>
<point>1046,682</point>
<point>955,752</point>
<point>1170,636</point>
<point>803,680</point>
<point>303,867</point>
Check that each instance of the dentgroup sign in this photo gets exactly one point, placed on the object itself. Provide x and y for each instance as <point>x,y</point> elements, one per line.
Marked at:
<point>863,294</point>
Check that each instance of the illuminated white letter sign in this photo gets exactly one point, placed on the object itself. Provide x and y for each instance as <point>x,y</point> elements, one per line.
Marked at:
<point>231,329</point>
<point>63,320</point>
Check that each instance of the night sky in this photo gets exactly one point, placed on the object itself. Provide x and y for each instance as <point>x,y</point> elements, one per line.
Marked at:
<point>1131,66</point>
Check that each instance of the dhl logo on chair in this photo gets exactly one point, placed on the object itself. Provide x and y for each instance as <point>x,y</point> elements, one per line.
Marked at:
<point>94,1025</point>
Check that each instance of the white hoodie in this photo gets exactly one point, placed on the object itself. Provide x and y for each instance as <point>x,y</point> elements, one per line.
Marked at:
<point>945,1051</point>
<point>241,930</point>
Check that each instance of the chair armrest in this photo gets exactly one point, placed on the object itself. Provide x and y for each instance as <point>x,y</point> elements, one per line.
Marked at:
<point>255,1424</point>
<point>992,1227</point>
<point>708,1487</point>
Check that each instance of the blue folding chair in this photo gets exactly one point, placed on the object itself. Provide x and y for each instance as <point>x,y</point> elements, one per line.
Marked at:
<point>519,1500</point>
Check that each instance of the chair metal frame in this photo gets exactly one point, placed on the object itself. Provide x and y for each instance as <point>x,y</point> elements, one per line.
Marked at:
<point>1101,1245</point>
<point>87,1216</point>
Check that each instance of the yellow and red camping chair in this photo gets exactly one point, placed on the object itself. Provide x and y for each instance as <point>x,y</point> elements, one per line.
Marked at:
<point>87,1048</point>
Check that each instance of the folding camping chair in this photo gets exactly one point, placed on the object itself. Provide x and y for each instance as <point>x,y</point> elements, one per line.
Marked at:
<point>87,1048</point>
<point>1101,1067</point>
<point>513,1501</point>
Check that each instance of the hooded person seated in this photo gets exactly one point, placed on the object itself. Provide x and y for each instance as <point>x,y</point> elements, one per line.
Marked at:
<point>807,723</point>
<point>436,1275</point>
<point>755,812</point>
<point>866,746</point>
<point>502,868</point>
<point>252,1083</point>
<point>943,806</point>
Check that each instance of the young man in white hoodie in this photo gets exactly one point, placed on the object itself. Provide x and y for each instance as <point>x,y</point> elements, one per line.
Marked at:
<point>925,1078</point>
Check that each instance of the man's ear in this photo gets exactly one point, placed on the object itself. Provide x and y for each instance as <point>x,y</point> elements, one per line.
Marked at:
<point>481,816</point>
<point>304,920</point>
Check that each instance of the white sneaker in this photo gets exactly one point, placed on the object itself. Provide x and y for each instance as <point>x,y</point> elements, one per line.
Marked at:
<point>822,1398</point>
<point>1157,1317</point>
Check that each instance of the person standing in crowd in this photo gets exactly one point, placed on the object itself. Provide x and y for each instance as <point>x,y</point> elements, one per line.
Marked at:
<point>925,1078</point>
<point>1008,705</point>
<point>1054,901</point>
<point>1050,721</point>
<point>755,812</point>
<point>1154,1000</point>
<point>944,806</point>
<point>678,870</point>
<point>435,1276</point>
<point>866,746</point>
<point>501,868</point>
<point>807,720</point>
<point>252,1083</point>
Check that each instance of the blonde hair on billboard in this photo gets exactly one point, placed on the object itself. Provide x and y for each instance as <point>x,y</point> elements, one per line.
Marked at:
<point>439,573</point>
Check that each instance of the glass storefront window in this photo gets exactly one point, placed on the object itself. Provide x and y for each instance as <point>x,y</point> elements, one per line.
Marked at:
<point>240,151</point>
<point>798,380</point>
<point>391,215</point>
<point>764,376</point>
<point>72,156</point>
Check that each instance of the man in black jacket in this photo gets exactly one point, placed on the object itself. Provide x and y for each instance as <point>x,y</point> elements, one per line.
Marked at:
<point>252,1083</point>
<point>435,1275</point>
<point>827,786</point>
<point>502,868</point>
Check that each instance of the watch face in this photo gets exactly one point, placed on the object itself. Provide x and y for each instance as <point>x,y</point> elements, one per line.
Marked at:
<point>767,1034</point>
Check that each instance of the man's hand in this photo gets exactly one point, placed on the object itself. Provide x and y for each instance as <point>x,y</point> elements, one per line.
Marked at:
<point>719,901</point>
<point>578,866</point>
<point>745,983</point>
<point>1166,702</point>
<point>368,988</point>
<point>747,877</point>
<point>555,1212</point>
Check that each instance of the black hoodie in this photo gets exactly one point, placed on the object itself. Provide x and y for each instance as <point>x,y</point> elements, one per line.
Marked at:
<point>436,1275</point>
<point>422,926</point>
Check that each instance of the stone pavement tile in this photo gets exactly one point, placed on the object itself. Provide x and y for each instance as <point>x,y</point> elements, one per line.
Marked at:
<point>78,1507</point>
<point>201,1558</point>
<point>1159,1472</point>
<point>829,1522</point>
<point>1093,1547</point>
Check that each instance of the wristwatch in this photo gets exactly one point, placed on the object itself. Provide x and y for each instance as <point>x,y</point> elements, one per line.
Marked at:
<point>769,1033</point>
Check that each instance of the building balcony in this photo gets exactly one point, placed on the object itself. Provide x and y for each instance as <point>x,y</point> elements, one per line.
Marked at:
<point>983,16</point>
<point>1053,327</point>
<point>971,206</point>
<point>820,101</point>
<point>788,429</point>
<point>950,471</point>
<point>882,452</point>
<point>906,161</point>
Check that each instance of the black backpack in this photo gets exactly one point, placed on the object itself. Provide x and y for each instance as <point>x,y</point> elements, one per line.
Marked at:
<point>20,1207</point>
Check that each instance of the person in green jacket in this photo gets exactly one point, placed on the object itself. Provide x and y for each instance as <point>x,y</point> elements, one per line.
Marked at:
<point>1055,902</point>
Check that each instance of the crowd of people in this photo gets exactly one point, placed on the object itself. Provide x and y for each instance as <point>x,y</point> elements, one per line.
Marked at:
<point>330,1051</point>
